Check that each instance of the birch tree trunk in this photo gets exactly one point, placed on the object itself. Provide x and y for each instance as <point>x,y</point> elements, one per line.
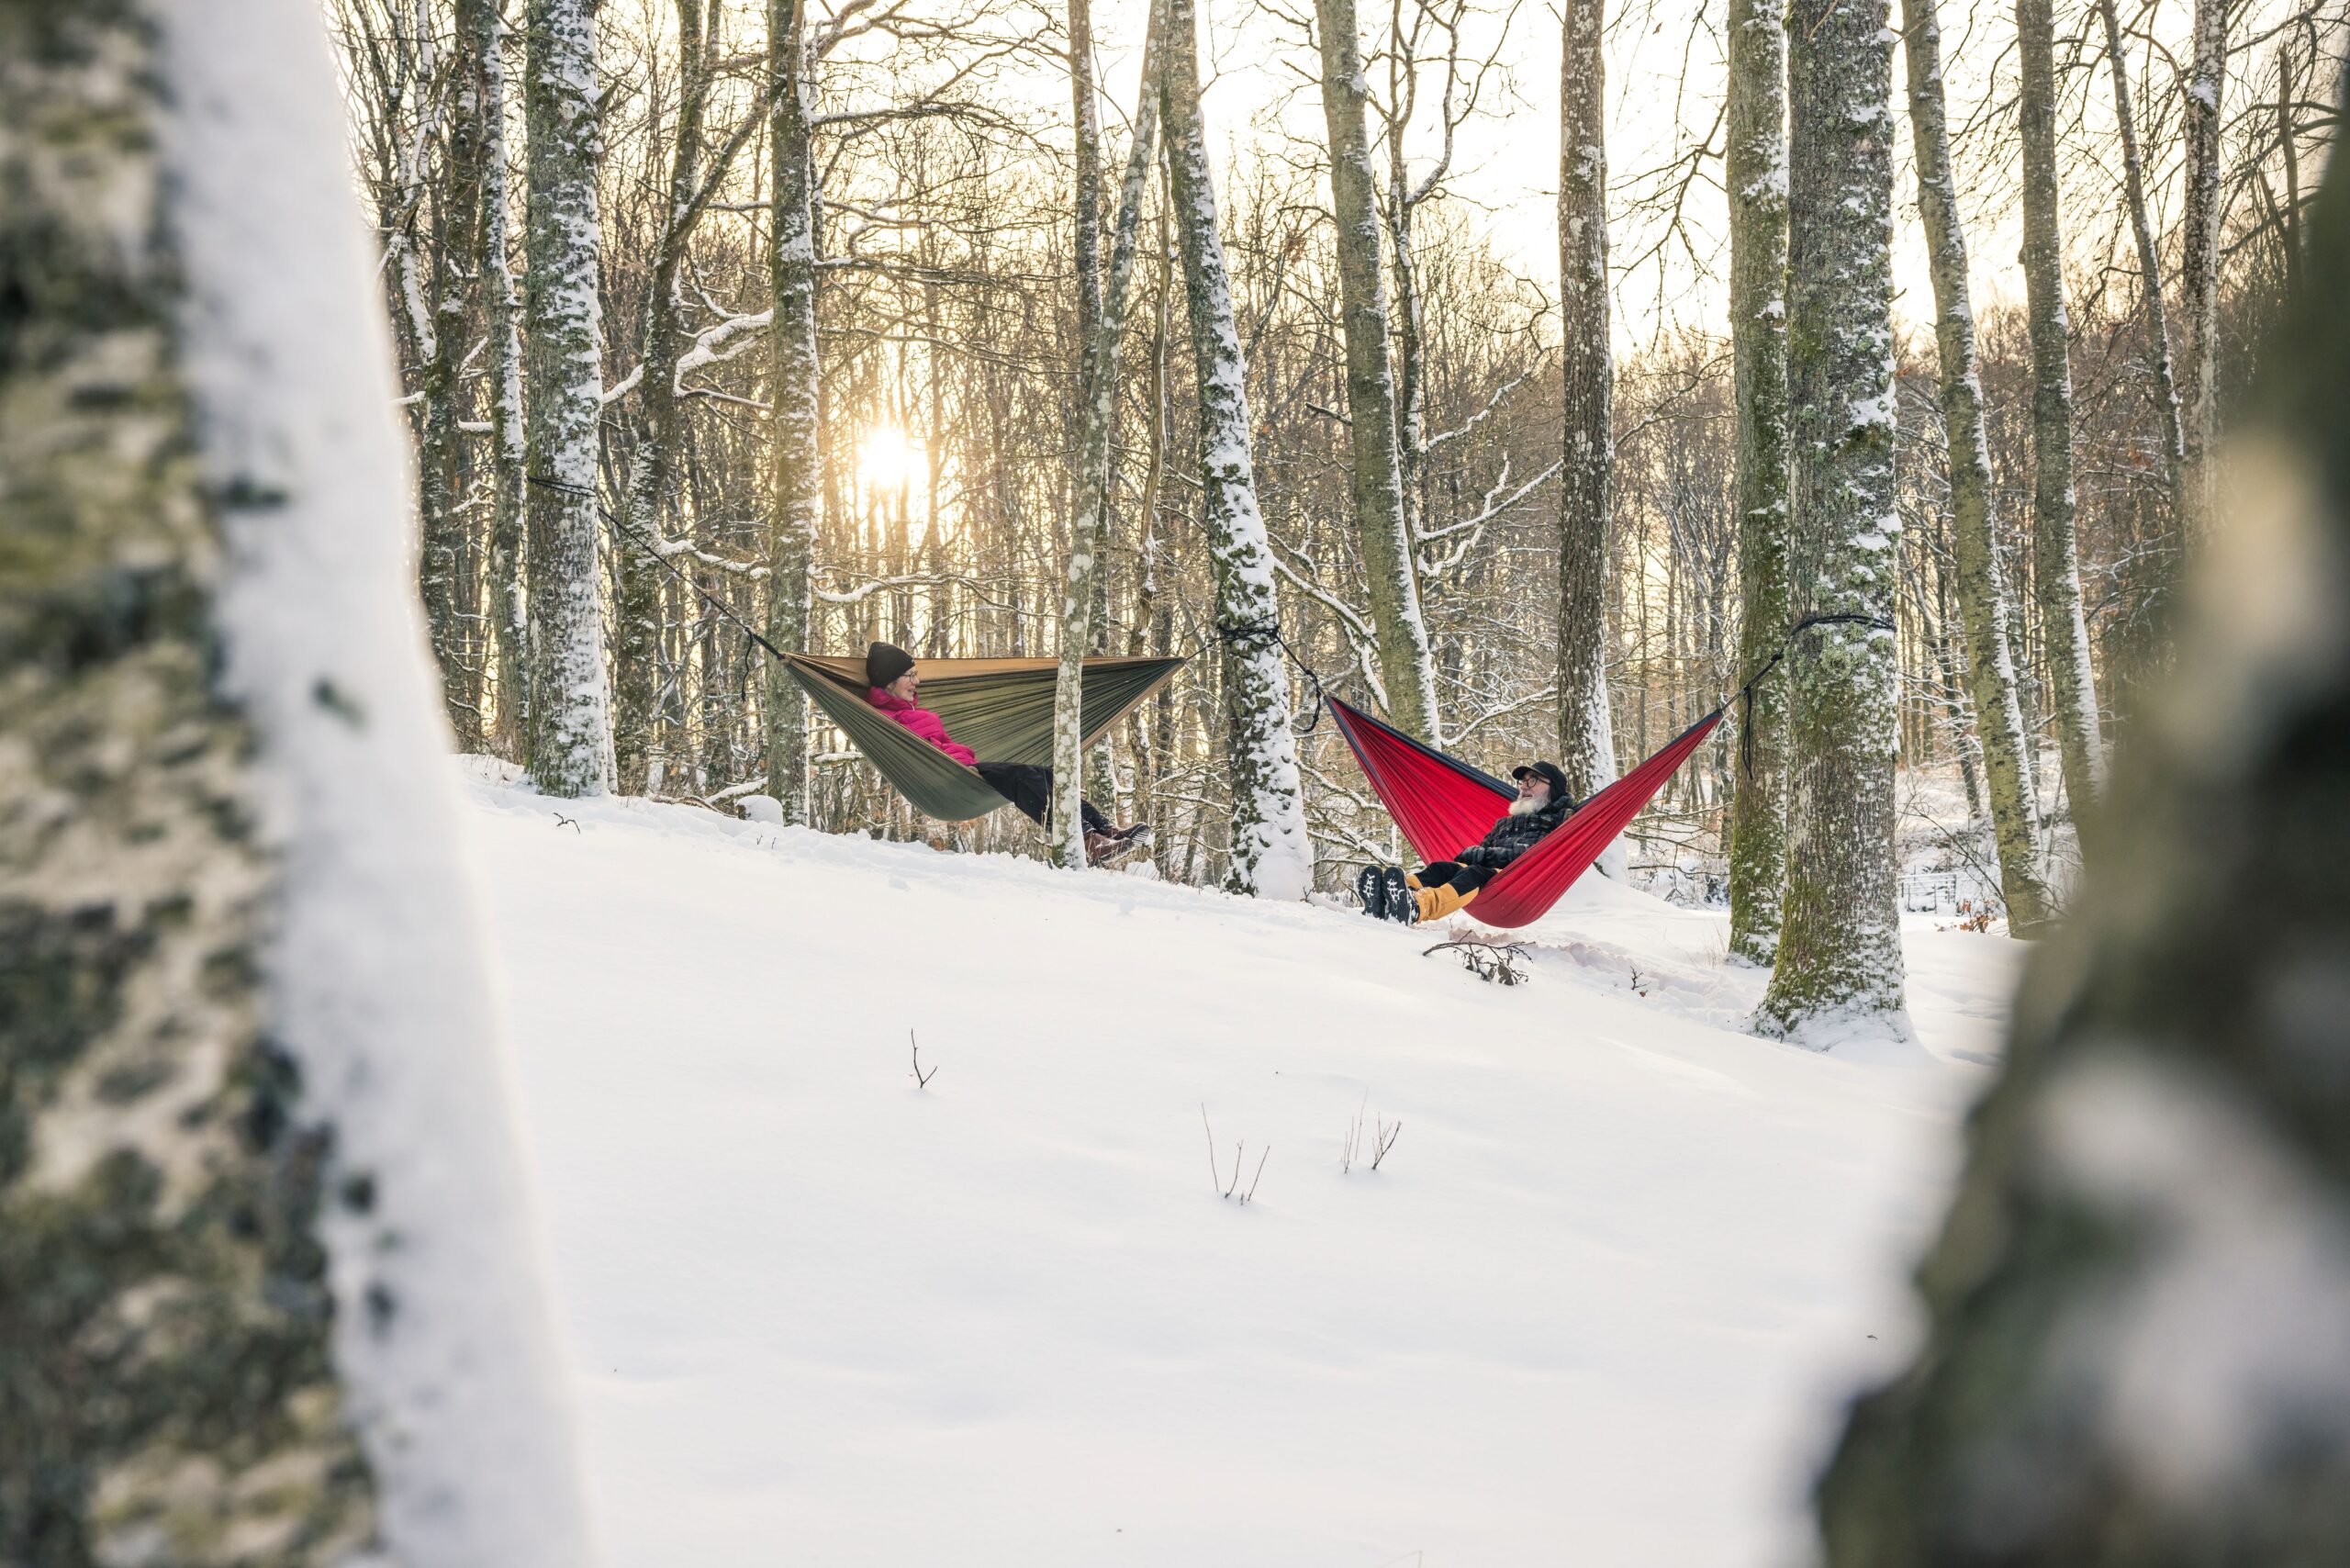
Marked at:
<point>571,728</point>
<point>1586,480</point>
<point>1756,170</point>
<point>509,586</point>
<point>2199,271</point>
<point>1982,587</point>
<point>269,1297</point>
<point>652,469</point>
<point>2136,1306</point>
<point>1381,524</point>
<point>796,458</point>
<point>1840,944</point>
<point>1098,387</point>
<point>2056,572</point>
<point>1271,856</point>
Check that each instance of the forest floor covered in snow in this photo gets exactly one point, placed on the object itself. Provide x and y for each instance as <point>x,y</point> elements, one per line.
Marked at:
<point>1600,1305</point>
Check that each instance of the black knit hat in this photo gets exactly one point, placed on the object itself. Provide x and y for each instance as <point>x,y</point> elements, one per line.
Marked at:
<point>884,663</point>
<point>1549,772</point>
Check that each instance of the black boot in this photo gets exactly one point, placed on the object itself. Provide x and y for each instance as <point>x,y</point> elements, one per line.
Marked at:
<point>1370,891</point>
<point>1401,907</point>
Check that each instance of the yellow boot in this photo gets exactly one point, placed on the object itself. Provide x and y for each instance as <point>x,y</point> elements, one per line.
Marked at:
<point>1438,901</point>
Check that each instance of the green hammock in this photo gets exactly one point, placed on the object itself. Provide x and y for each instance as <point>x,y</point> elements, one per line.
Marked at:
<point>1002,709</point>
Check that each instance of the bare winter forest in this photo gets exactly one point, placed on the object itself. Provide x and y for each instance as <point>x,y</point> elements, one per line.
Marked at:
<point>1953,401</point>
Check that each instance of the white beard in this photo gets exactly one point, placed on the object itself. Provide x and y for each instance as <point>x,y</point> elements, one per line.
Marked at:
<point>1527,805</point>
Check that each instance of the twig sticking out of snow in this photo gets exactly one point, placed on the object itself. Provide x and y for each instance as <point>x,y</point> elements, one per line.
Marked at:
<point>921,1079</point>
<point>562,820</point>
<point>1495,962</point>
<point>1215,1175</point>
<point>1383,1136</point>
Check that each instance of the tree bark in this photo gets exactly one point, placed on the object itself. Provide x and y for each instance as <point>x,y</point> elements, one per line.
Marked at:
<point>1105,317</point>
<point>571,728</point>
<point>2056,574</point>
<point>267,1295</point>
<point>795,457</point>
<point>2169,554</point>
<point>2198,271</point>
<point>1586,480</point>
<point>509,586</point>
<point>1757,176</point>
<point>448,564</point>
<point>1839,946</point>
<point>2137,1301</point>
<point>1381,525</point>
<point>644,506</point>
<point>1271,856</point>
<point>1982,585</point>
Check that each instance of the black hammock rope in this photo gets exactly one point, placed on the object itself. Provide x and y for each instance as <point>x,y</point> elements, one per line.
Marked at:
<point>1744,694</point>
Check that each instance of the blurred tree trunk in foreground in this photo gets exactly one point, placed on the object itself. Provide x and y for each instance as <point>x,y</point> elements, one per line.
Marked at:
<point>2140,1341</point>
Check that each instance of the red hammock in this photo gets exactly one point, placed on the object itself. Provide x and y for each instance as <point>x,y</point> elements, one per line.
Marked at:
<point>1444,805</point>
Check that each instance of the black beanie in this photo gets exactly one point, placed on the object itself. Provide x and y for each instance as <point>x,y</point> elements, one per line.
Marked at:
<point>884,663</point>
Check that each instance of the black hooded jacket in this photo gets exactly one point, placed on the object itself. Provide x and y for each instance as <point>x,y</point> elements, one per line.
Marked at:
<point>1512,836</point>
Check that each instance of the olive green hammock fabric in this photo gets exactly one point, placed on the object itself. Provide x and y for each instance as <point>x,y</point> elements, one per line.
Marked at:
<point>1002,709</point>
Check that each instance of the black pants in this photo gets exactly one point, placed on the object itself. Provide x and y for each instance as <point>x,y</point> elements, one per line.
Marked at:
<point>1452,873</point>
<point>1030,787</point>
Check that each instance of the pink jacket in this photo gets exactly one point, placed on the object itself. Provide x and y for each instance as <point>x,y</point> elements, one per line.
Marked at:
<point>921,722</point>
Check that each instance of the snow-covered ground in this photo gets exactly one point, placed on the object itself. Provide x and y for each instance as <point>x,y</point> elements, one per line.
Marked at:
<point>1599,1306</point>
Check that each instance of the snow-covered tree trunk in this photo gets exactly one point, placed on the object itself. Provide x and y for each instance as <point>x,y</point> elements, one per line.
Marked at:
<point>2199,270</point>
<point>448,564</point>
<point>1840,941</point>
<point>508,587</point>
<point>2139,1302</point>
<point>571,728</point>
<point>796,499</point>
<point>2170,554</point>
<point>1105,315</point>
<point>1586,480</point>
<point>267,1290</point>
<point>1271,856</point>
<point>1981,583</point>
<point>644,507</point>
<point>2056,573</point>
<point>1756,170</point>
<point>1382,527</point>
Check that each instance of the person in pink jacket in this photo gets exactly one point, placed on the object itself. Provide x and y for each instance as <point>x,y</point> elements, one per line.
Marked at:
<point>892,685</point>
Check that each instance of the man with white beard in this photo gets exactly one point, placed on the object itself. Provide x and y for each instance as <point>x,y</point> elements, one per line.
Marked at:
<point>1437,890</point>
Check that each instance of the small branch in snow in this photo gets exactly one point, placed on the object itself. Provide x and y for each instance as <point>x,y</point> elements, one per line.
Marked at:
<point>1494,962</point>
<point>562,820</point>
<point>921,1079</point>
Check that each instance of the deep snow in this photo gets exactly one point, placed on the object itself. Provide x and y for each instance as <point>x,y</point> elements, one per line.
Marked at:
<point>1600,1308</point>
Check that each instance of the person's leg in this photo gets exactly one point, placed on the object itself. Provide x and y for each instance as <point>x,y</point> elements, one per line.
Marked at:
<point>1025,785</point>
<point>1094,821</point>
<point>1438,898</point>
<point>1434,873</point>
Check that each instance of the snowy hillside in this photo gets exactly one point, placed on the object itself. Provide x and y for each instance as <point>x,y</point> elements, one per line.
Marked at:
<point>1597,1307</point>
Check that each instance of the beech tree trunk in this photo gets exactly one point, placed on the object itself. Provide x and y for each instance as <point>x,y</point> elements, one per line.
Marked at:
<point>1586,479</point>
<point>1840,944</point>
<point>795,459</point>
<point>571,726</point>
<point>265,1294</point>
<point>2137,1304</point>
<point>1105,317</point>
<point>2056,573</point>
<point>1271,856</point>
<point>1756,169</point>
<point>1382,523</point>
<point>1982,585</point>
